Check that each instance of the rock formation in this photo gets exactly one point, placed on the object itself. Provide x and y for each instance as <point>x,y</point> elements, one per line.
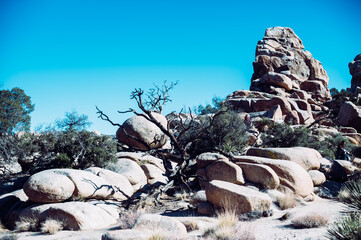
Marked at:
<point>285,76</point>
<point>355,71</point>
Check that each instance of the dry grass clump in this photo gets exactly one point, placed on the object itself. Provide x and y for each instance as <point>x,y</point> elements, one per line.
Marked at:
<point>51,226</point>
<point>310,220</point>
<point>289,201</point>
<point>26,224</point>
<point>127,219</point>
<point>158,236</point>
<point>228,229</point>
<point>191,225</point>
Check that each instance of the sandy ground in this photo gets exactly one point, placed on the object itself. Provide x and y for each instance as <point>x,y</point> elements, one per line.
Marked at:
<point>269,228</point>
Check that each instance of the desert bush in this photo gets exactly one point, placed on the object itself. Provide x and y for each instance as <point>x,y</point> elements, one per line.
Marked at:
<point>282,135</point>
<point>26,224</point>
<point>288,201</point>
<point>57,149</point>
<point>310,220</point>
<point>223,131</point>
<point>191,225</point>
<point>51,226</point>
<point>127,219</point>
<point>217,103</point>
<point>228,228</point>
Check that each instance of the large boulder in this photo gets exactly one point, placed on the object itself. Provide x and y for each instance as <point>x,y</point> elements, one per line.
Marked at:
<point>72,215</point>
<point>206,159</point>
<point>350,116</point>
<point>48,186</point>
<point>154,174</point>
<point>242,199</point>
<point>123,188</point>
<point>57,185</point>
<point>131,170</point>
<point>166,225</point>
<point>305,157</point>
<point>142,158</point>
<point>318,178</point>
<point>226,171</point>
<point>138,132</point>
<point>355,71</point>
<point>292,176</point>
<point>260,174</point>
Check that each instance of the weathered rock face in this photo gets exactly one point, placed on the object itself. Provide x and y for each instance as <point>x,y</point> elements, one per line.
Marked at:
<point>242,199</point>
<point>355,71</point>
<point>72,215</point>
<point>350,116</point>
<point>138,132</point>
<point>281,51</point>
<point>291,175</point>
<point>285,75</point>
<point>305,157</point>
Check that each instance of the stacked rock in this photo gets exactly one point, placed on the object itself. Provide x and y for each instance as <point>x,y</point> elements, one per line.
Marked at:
<point>285,75</point>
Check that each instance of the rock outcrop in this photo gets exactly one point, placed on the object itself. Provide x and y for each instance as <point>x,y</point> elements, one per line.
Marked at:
<point>287,76</point>
<point>355,71</point>
<point>240,198</point>
<point>350,116</point>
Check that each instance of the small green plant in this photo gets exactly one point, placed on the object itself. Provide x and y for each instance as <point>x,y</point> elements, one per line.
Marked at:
<point>349,226</point>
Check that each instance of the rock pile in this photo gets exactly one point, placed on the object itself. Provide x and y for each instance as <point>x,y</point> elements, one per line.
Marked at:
<point>82,199</point>
<point>355,71</point>
<point>285,77</point>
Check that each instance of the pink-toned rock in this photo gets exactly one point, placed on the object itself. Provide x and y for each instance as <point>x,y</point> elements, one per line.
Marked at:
<point>241,199</point>
<point>260,174</point>
<point>305,157</point>
<point>226,171</point>
<point>356,136</point>
<point>291,175</point>
<point>350,116</point>
<point>48,187</point>
<point>317,89</point>
<point>276,79</point>
<point>318,178</point>
<point>206,159</point>
<point>347,130</point>
<point>166,225</point>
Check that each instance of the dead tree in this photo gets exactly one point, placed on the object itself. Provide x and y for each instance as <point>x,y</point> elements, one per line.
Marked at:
<point>187,134</point>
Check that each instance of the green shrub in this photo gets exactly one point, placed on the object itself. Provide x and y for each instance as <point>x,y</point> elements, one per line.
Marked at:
<point>349,226</point>
<point>54,149</point>
<point>283,135</point>
<point>223,131</point>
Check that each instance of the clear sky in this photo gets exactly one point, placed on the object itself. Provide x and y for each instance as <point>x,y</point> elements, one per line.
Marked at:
<point>72,55</point>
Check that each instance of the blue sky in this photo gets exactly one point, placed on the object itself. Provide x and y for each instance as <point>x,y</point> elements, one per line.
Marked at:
<point>73,55</point>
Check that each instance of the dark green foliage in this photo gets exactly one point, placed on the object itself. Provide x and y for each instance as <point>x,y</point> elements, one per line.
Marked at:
<point>349,226</point>
<point>223,131</point>
<point>73,122</point>
<point>217,103</point>
<point>282,135</point>
<point>352,195</point>
<point>15,109</point>
<point>65,149</point>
